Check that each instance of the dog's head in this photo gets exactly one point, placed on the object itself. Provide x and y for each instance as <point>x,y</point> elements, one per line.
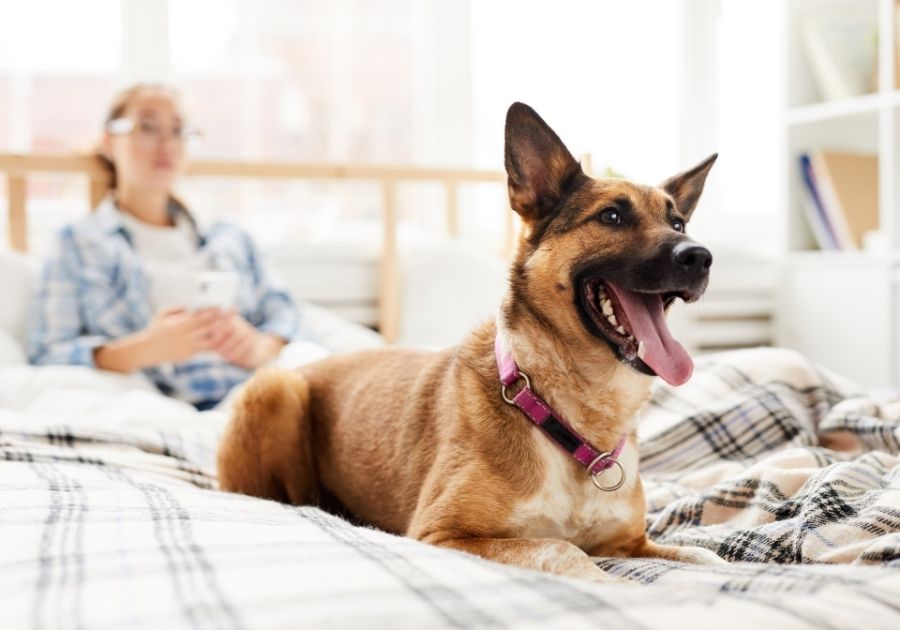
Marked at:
<point>600,260</point>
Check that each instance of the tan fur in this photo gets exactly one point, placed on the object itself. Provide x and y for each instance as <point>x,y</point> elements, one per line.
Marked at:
<point>422,444</point>
<point>267,453</point>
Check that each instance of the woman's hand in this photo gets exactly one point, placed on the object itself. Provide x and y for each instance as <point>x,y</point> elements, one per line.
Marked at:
<point>238,342</point>
<point>173,335</point>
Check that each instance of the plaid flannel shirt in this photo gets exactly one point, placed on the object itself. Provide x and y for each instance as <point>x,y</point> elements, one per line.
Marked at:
<point>93,289</point>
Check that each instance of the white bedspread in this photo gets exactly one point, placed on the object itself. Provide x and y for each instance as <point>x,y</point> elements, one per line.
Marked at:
<point>109,518</point>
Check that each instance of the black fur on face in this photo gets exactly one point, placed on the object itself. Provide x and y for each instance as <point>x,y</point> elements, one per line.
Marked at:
<point>655,272</point>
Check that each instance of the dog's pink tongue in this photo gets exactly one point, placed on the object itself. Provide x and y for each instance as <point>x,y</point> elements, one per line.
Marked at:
<point>647,321</point>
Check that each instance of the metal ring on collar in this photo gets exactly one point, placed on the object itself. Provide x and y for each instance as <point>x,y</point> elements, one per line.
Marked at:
<point>595,477</point>
<point>503,389</point>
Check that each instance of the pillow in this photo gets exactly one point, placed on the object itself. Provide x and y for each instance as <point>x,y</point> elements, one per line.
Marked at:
<point>448,288</point>
<point>11,351</point>
<point>17,276</point>
<point>333,332</point>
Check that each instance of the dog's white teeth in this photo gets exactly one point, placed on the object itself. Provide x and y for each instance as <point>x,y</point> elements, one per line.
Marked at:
<point>607,309</point>
<point>642,350</point>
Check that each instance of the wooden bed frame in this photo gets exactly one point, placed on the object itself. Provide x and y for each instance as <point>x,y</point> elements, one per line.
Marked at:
<point>18,167</point>
<point>737,312</point>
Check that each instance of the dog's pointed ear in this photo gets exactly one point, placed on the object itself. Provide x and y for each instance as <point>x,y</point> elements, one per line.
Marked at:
<point>539,166</point>
<point>686,187</point>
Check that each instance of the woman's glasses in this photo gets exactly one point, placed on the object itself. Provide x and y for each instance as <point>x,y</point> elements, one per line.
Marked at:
<point>151,134</point>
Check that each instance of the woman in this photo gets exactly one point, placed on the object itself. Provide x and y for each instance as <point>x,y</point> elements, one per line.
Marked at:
<point>116,292</point>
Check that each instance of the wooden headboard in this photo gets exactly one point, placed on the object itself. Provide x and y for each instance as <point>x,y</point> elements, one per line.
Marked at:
<point>17,169</point>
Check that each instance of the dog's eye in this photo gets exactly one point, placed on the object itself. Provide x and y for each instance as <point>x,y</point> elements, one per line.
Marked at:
<point>678,225</point>
<point>611,216</point>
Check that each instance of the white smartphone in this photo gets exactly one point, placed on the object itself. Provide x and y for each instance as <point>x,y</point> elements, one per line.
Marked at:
<point>215,289</point>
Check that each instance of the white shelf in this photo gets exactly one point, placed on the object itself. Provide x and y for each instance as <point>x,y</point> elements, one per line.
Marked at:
<point>833,110</point>
<point>730,334</point>
<point>848,259</point>
<point>822,294</point>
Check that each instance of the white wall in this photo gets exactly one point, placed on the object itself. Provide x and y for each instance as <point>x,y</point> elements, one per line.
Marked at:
<point>736,61</point>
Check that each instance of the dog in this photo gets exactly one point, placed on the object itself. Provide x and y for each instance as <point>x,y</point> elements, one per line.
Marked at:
<point>518,445</point>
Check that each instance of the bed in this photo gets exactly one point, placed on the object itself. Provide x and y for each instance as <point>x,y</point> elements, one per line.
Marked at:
<point>110,515</point>
<point>110,518</point>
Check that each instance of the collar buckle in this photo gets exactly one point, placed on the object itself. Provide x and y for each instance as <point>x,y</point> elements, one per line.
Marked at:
<point>503,388</point>
<point>612,462</point>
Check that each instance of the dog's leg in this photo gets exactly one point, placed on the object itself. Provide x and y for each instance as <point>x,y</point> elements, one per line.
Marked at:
<point>693,555</point>
<point>544,554</point>
<point>265,451</point>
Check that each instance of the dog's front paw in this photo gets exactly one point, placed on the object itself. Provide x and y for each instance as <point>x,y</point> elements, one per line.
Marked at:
<point>699,555</point>
<point>598,576</point>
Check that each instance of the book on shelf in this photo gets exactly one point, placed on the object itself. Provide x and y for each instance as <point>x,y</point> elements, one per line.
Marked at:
<point>840,197</point>
<point>813,208</point>
<point>841,49</point>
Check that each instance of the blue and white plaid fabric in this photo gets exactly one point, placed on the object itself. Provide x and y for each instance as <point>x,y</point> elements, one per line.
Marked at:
<point>110,520</point>
<point>93,289</point>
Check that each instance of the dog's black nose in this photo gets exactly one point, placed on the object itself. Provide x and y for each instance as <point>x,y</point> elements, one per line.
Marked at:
<point>693,257</point>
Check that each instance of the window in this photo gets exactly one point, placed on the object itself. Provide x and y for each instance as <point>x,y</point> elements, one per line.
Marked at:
<point>301,81</point>
<point>392,81</point>
<point>54,103</point>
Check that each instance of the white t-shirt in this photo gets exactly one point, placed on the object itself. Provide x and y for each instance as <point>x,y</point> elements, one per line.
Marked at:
<point>171,259</point>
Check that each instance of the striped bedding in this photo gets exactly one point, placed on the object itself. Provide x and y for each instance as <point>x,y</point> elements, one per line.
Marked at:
<point>110,518</point>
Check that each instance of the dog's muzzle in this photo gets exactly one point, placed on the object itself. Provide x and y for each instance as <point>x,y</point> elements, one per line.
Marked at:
<point>691,262</point>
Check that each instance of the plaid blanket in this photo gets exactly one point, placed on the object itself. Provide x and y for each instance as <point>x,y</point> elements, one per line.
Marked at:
<point>108,520</point>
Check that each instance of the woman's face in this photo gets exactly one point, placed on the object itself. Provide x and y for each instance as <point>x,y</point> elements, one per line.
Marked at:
<point>147,147</point>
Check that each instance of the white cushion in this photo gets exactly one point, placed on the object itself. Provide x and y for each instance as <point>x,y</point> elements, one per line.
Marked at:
<point>448,288</point>
<point>333,332</point>
<point>12,352</point>
<point>17,277</point>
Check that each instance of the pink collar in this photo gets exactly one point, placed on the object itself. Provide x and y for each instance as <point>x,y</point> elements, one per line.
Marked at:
<point>555,427</point>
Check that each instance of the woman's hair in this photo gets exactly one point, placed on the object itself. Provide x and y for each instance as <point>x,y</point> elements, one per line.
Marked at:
<point>117,110</point>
